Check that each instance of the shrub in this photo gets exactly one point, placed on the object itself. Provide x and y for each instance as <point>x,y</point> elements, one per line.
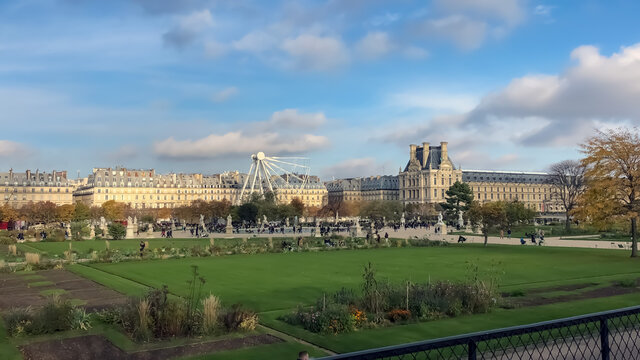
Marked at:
<point>210,309</point>
<point>142,328</point>
<point>238,318</point>
<point>345,296</point>
<point>13,250</point>
<point>396,315</point>
<point>117,231</point>
<point>628,283</point>
<point>7,240</point>
<point>18,321</point>
<point>79,230</point>
<point>32,258</point>
<point>80,319</point>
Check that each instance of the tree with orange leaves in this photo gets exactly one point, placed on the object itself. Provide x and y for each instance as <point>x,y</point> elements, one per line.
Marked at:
<point>612,162</point>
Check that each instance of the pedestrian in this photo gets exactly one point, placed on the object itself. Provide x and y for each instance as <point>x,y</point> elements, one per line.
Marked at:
<point>303,355</point>
<point>509,233</point>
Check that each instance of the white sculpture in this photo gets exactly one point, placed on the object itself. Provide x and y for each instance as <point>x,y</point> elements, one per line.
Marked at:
<point>440,218</point>
<point>460,220</point>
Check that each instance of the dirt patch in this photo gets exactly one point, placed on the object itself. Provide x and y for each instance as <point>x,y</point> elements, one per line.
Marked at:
<point>16,292</point>
<point>572,287</point>
<point>96,347</point>
<point>590,294</point>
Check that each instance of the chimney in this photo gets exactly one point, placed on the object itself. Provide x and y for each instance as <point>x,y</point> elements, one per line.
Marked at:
<point>412,152</point>
<point>443,151</point>
<point>425,154</point>
<point>28,175</point>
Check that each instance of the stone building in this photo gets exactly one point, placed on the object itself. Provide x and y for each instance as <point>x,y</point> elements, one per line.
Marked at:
<point>367,189</point>
<point>428,174</point>
<point>148,189</point>
<point>20,188</point>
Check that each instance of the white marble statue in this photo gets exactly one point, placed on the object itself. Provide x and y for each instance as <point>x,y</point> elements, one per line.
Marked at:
<point>460,220</point>
<point>440,218</point>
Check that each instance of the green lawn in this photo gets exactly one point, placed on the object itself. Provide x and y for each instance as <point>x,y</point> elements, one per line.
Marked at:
<point>85,247</point>
<point>276,283</point>
<point>519,231</point>
<point>267,282</point>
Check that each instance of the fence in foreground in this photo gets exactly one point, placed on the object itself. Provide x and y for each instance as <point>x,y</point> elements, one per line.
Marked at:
<point>605,335</point>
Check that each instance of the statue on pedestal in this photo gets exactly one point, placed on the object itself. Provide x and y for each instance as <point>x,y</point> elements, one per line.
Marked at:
<point>229,227</point>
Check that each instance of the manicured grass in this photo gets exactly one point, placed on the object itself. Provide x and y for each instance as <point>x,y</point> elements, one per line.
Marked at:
<point>273,351</point>
<point>267,282</point>
<point>117,283</point>
<point>274,284</point>
<point>40,283</point>
<point>52,292</point>
<point>499,318</point>
<point>86,246</point>
<point>8,351</point>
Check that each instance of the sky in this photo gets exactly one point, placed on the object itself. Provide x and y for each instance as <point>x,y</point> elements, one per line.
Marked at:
<point>200,85</point>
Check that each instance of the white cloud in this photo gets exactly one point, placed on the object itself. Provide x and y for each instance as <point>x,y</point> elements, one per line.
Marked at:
<point>438,101</point>
<point>256,42</point>
<point>291,118</point>
<point>238,143</point>
<point>415,53</point>
<point>225,94</point>
<point>543,10</point>
<point>358,167</point>
<point>374,45</point>
<point>214,49</point>
<point>596,88</point>
<point>316,52</point>
<point>510,11</point>
<point>188,28</point>
<point>385,19</point>
<point>12,149</point>
<point>464,32</point>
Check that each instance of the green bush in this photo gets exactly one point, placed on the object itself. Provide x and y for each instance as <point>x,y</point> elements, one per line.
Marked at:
<point>79,230</point>
<point>237,318</point>
<point>56,315</point>
<point>117,231</point>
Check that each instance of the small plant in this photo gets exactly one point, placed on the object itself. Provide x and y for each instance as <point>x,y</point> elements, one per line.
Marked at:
<point>117,231</point>
<point>142,330</point>
<point>81,320</point>
<point>32,258</point>
<point>396,315</point>
<point>237,318</point>
<point>211,307</point>
<point>627,283</point>
<point>13,249</point>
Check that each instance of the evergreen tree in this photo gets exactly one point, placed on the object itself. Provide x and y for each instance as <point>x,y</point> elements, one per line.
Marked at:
<point>459,198</point>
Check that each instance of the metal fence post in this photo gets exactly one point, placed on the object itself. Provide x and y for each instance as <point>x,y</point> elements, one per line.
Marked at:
<point>604,339</point>
<point>472,350</point>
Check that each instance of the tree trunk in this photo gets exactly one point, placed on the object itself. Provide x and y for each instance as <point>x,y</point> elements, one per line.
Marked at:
<point>567,226</point>
<point>634,241</point>
<point>486,239</point>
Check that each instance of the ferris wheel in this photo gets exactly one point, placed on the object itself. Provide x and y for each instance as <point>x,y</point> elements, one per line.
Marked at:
<point>273,174</point>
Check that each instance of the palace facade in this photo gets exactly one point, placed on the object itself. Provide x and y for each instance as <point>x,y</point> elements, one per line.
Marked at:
<point>147,189</point>
<point>21,188</point>
<point>430,172</point>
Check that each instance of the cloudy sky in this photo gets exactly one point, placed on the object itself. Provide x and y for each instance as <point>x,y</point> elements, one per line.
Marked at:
<point>199,85</point>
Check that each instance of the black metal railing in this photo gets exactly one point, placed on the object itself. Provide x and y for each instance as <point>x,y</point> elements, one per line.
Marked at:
<point>605,335</point>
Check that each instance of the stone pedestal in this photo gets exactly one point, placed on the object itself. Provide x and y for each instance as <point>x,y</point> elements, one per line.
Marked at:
<point>130,230</point>
<point>442,228</point>
<point>92,232</point>
<point>228,229</point>
<point>317,230</point>
<point>104,230</point>
<point>150,230</point>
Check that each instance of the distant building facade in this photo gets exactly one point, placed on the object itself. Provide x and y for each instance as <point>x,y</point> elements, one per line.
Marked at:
<point>430,172</point>
<point>146,189</point>
<point>21,188</point>
<point>363,189</point>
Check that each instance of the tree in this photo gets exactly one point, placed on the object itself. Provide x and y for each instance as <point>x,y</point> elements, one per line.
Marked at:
<point>459,198</point>
<point>612,161</point>
<point>117,231</point>
<point>64,213</point>
<point>248,212</point>
<point>113,210</point>
<point>81,212</point>
<point>567,177</point>
<point>7,213</point>
<point>379,209</point>
<point>96,212</point>
<point>516,212</point>
<point>298,206</point>
<point>488,216</point>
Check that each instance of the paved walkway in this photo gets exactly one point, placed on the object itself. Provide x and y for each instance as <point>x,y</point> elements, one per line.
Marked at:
<point>421,233</point>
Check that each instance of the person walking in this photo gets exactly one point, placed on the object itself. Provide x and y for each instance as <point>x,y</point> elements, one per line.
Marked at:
<point>509,233</point>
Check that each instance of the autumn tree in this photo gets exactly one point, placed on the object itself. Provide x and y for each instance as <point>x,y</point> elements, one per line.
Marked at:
<point>81,212</point>
<point>567,177</point>
<point>64,213</point>
<point>612,162</point>
<point>459,198</point>
<point>516,212</point>
<point>7,213</point>
<point>487,216</point>
<point>113,210</point>
<point>298,206</point>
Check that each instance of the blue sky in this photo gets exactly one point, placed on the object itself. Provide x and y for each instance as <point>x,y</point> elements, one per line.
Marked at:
<point>199,85</point>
